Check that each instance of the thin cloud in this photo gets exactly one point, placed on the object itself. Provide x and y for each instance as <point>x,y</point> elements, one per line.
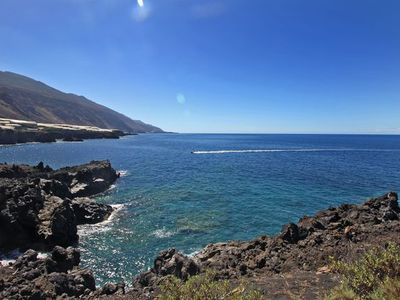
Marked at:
<point>208,9</point>
<point>387,130</point>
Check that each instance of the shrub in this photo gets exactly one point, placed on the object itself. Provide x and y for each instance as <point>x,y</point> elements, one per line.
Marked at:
<point>342,292</point>
<point>376,273</point>
<point>389,290</point>
<point>205,286</point>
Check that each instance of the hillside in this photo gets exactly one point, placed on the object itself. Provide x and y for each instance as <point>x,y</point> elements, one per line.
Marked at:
<point>26,99</point>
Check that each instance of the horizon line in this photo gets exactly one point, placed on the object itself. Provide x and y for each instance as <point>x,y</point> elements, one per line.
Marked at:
<point>283,133</point>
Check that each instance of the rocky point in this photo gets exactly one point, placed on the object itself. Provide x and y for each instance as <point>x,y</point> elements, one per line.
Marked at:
<point>41,207</point>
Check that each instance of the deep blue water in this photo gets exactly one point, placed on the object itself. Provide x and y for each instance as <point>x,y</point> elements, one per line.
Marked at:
<point>174,198</point>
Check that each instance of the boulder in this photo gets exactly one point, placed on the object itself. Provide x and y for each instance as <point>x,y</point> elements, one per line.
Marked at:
<point>57,276</point>
<point>290,233</point>
<point>20,203</point>
<point>88,211</point>
<point>31,277</point>
<point>169,262</point>
<point>55,188</point>
<point>62,259</point>
<point>88,179</point>
<point>57,222</point>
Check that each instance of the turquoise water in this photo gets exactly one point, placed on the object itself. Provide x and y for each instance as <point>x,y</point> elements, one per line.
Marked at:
<point>175,198</point>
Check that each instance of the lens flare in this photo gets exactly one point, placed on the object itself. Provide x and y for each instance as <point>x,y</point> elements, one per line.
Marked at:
<point>140,3</point>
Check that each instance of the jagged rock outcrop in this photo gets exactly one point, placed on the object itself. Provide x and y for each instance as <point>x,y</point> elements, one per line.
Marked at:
<point>57,222</point>
<point>88,211</point>
<point>299,254</point>
<point>168,263</point>
<point>20,204</point>
<point>88,179</point>
<point>22,171</point>
<point>57,276</point>
<point>308,244</point>
<point>36,209</point>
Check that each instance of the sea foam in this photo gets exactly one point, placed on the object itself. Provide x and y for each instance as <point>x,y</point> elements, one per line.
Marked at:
<point>162,233</point>
<point>11,257</point>
<point>88,229</point>
<point>123,173</point>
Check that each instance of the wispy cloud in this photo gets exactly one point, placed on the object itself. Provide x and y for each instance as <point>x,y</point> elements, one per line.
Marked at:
<point>387,130</point>
<point>209,9</point>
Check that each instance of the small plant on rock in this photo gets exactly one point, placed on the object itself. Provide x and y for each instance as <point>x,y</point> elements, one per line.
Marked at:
<point>205,286</point>
<point>376,275</point>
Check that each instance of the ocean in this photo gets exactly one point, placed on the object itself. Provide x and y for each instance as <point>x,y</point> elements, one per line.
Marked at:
<point>188,190</point>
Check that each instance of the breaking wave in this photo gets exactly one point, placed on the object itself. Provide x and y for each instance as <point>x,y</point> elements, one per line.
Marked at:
<point>162,233</point>
<point>123,173</point>
<point>88,229</point>
<point>11,256</point>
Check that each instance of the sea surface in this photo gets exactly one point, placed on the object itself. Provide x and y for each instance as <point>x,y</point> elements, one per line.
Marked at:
<point>188,190</point>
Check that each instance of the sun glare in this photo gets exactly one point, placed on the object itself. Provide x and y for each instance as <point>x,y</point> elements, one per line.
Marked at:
<point>140,3</point>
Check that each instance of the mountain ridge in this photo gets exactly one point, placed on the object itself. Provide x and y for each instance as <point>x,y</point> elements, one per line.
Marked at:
<point>24,98</point>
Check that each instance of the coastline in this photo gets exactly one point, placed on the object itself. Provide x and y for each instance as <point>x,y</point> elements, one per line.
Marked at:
<point>14,132</point>
<point>298,257</point>
<point>299,253</point>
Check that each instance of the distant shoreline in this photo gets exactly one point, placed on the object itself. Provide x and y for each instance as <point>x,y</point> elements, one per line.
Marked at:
<point>13,132</point>
<point>247,133</point>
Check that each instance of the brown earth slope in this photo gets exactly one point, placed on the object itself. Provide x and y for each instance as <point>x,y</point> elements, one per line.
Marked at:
<point>27,99</point>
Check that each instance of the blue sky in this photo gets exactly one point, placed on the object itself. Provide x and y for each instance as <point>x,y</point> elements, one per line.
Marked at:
<point>310,66</point>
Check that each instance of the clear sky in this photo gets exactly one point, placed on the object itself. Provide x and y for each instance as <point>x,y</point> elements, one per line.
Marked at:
<point>301,66</point>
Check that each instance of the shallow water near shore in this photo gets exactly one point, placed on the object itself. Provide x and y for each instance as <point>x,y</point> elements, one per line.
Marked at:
<point>185,191</point>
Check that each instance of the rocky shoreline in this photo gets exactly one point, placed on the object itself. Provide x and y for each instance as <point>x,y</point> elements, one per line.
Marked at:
<point>40,209</point>
<point>295,263</point>
<point>20,132</point>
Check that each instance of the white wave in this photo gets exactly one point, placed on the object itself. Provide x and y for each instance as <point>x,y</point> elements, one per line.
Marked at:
<point>162,233</point>
<point>113,186</point>
<point>194,253</point>
<point>88,229</point>
<point>10,257</point>
<point>123,173</point>
<point>116,209</point>
<point>288,150</point>
<point>6,262</point>
<point>42,255</point>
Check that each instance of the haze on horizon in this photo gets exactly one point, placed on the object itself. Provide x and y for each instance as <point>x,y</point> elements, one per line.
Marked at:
<point>238,66</point>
